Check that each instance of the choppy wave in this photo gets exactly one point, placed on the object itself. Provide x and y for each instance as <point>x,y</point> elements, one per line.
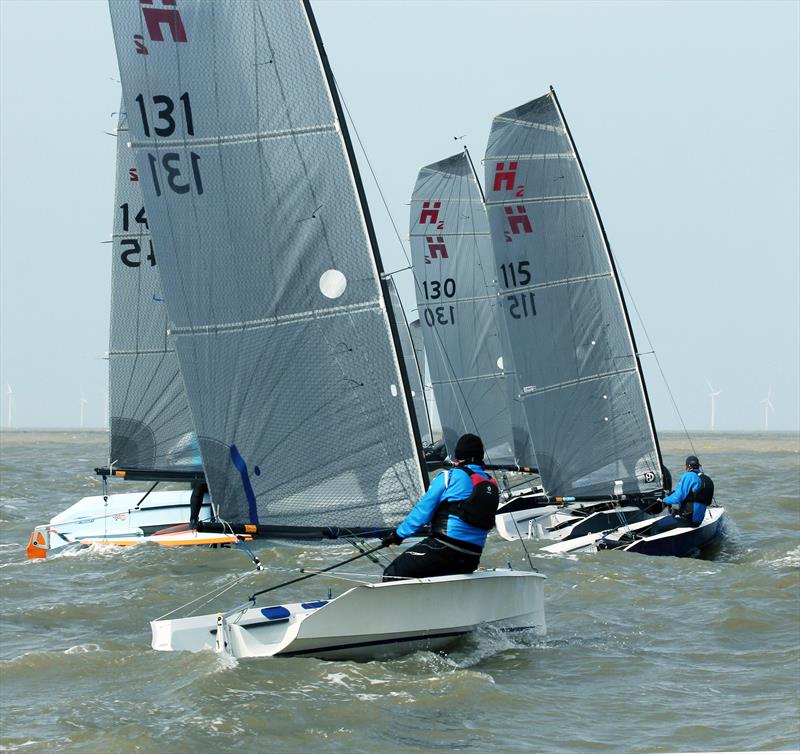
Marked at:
<point>629,639</point>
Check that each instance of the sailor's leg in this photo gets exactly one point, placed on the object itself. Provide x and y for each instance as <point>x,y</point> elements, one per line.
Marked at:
<point>667,523</point>
<point>430,558</point>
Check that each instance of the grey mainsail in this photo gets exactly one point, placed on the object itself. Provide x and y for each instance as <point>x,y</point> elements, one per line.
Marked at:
<point>457,298</point>
<point>573,349</point>
<point>268,263</point>
<point>150,422</point>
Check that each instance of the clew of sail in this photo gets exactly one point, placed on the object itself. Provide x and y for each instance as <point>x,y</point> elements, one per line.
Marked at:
<point>458,308</point>
<point>580,380</point>
<point>150,422</point>
<point>268,264</point>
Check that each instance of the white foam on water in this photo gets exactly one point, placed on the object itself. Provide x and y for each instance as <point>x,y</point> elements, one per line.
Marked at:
<point>790,560</point>
<point>80,649</point>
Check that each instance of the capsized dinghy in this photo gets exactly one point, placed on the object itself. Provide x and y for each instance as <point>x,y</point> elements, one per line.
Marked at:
<point>369,621</point>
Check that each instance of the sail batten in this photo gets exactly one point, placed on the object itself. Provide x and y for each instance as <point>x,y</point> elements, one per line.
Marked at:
<point>270,266</point>
<point>307,316</point>
<point>163,144</point>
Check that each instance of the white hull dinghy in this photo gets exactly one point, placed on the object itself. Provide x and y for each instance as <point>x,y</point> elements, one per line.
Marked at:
<point>125,519</point>
<point>151,435</point>
<point>682,541</point>
<point>369,621</point>
<point>564,520</point>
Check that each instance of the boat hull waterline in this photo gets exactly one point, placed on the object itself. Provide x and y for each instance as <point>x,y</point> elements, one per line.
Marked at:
<point>369,621</point>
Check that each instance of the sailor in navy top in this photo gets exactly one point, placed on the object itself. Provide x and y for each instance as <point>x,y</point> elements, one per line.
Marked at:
<point>460,506</point>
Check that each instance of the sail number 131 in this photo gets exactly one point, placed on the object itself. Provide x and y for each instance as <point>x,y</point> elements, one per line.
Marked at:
<point>169,169</point>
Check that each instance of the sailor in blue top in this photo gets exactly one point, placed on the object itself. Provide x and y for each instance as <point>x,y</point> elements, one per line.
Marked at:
<point>454,546</point>
<point>691,509</point>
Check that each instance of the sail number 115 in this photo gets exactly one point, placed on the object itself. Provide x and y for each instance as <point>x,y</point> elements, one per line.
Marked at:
<point>520,305</point>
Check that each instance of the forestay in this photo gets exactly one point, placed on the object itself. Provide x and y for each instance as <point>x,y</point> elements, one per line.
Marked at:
<point>150,421</point>
<point>457,299</point>
<point>573,350</point>
<point>268,265</point>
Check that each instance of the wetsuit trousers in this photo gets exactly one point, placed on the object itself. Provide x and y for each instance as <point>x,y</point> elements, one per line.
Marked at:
<point>431,558</point>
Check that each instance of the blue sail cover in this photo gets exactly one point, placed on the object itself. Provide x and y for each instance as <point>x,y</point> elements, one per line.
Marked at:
<point>270,277</point>
<point>150,422</point>
<point>572,347</point>
<point>456,291</point>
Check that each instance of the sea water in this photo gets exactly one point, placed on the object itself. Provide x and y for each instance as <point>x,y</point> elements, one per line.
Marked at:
<point>642,654</point>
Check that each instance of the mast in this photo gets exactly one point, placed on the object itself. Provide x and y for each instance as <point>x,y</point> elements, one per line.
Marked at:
<point>616,281</point>
<point>475,174</point>
<point>373,241</point>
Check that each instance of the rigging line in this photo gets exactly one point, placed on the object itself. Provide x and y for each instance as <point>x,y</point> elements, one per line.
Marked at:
<point>522,542</point>
<point>655,355</point>
<point>216,592</point>
<point>372,172</point>
<point>391,219</point>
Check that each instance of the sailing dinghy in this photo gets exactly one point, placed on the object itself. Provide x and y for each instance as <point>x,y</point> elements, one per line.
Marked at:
<point>282,317</point>
<point>368,621</point>
<point>581,382</point>
<point>151,437</point>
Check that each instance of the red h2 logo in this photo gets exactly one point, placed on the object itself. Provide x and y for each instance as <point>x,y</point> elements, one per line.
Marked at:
<point>504,179</point>
<point>154,18</point>
<point>518,221</point>
<point>429,215</point>
<point>436,247</point>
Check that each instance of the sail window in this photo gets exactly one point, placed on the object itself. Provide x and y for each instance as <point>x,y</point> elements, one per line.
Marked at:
<point>332,283</point>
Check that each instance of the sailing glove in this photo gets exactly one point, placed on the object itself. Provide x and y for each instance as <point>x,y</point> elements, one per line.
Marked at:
<point>392,538</point>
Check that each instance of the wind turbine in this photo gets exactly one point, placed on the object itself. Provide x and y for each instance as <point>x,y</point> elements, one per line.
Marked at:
<point>83,406</point>
<point>10,397</point>
<point>713,395</point>
<point>767,407</point>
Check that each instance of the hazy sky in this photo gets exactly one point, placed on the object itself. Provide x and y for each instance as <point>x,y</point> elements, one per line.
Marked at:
<point>685,114</point>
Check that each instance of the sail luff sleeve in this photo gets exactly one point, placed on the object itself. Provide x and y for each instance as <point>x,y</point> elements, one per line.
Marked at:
<point>278,315</point>
<point>572,352</point>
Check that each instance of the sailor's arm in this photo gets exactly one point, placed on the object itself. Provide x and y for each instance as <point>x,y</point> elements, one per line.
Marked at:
<point>683,489</point>
<point>422,513</point>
